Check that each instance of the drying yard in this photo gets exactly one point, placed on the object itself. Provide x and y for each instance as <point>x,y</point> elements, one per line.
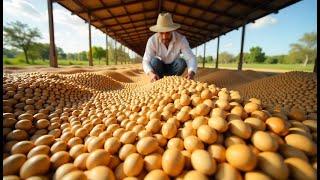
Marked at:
<point>101,123</point>
<point>112,123</point>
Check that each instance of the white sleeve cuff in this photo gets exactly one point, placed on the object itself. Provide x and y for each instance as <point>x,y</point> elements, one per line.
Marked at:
<point>192,69</point>
<point>147,70</point>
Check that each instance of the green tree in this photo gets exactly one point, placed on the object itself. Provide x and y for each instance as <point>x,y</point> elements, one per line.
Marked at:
<point>123,57</point>
<point>98,53</point>
<point>256,55</point>
<point>10,53</point>
<point>225,57</point>
<point>281,58</point>
<point>21,36</point>
<point>72,56</point>
<point>45,51</point>
<point>277,59</point>
<point>34,52</point>
<point>305,50</point>
<point>199,59</point>
<point>61,53</point>
<point>137,59</point>
<point>209,59</point>
<point>82,56</point>
<point>110,53</point>
<point>41,50</point>
<point>271,60</point>
<point>245,58</point>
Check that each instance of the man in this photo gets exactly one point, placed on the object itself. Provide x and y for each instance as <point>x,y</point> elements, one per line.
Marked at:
<point>162,54</point>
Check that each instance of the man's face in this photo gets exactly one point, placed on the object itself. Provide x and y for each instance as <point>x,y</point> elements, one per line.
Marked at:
<point>165,37</point>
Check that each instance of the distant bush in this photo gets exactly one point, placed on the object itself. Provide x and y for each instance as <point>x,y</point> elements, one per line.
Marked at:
<point>13,61</point>
<point>271,60</point>
<point>20,60</point>
<point>7,61</point>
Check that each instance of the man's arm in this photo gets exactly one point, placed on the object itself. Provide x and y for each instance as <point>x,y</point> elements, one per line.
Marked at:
<point>190,58</point>
<point>148,54</point>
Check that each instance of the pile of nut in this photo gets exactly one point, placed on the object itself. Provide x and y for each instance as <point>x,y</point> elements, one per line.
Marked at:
<point>289,90</point>
<point>89,126</point>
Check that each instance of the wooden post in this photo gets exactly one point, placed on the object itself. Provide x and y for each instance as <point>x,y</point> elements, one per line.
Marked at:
<point>121,60</point>
<point>124,55</point>
<point>315,65</point>
<point>130,60</point>
<point>53,54</point>
<point>241,50</point>
<point>90,50</point>
<point>217,60</point>
<point>115,52</point>
<point>204,55</point>
<point>107,52</point>
<point>125,52</point>
<point>196,52</point>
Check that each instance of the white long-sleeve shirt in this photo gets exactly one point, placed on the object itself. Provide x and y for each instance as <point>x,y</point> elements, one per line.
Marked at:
<point>177,45</point>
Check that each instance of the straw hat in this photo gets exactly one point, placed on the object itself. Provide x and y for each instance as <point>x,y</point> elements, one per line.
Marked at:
<point>164,23</point>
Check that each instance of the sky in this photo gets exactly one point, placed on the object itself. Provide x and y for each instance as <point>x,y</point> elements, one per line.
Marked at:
<point>273,33</point>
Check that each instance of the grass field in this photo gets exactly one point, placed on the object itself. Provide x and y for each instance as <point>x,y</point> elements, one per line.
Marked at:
<point>20,62</point>
<point>276,67</point>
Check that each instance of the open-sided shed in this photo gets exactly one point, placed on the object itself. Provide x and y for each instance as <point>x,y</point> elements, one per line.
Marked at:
<point>128,21</point>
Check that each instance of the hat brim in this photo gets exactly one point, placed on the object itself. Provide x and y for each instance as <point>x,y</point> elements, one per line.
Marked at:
<point>156,28</point>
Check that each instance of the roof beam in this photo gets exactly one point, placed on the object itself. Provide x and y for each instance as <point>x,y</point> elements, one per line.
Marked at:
<point>126,23</point>
<point>205,9</point>
<point>142,29</point>
<point>245,19</point>
<point>112,6</point>
<point>121,16</point>
<point>87,10</point>
<point>137,42</point>
<point>134,40</point>
<point>257,7</point>
<point>195,30</point>
<point>146,30</point>
<point>159,6</point>
<point>198,19</point>
<point>193,38</point>
<point>202,14</point>
<point>144,15</point>
<point>189,10</point>
<point>226,26</point>
<point>252,4</point>
<point>135,33</point>
<point>153,18</point>
<point>189,34</point>
<point>104,5</point>
<point>138,35</point>
<point>147,35</point>
<point>183,26</point>
<point>175,7</point>
<point>125,8</point>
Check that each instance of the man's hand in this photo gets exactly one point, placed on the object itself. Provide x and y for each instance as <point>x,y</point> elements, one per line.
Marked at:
<point>153,77</point>
<point>190,75</point>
